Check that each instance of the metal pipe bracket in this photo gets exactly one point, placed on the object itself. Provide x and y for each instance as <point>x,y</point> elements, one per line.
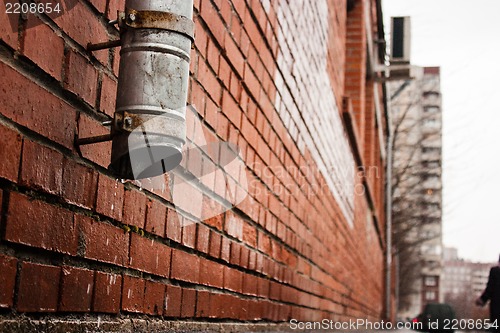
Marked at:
<point>148,19</point>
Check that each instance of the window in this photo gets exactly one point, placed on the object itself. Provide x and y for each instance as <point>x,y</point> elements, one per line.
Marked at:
<point>430,281</point>
<point>430,295</point>
<point>431,122</point>
<point>430,149</point>
<point>431,109</point>
<point>430,164</point>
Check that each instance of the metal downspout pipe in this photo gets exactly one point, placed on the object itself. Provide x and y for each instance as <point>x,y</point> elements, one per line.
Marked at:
<point>149,126</point>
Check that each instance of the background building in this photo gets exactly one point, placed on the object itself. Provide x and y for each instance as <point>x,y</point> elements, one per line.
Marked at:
<point>463,282</point>
<point>290,83</point>
<point>417,187</point>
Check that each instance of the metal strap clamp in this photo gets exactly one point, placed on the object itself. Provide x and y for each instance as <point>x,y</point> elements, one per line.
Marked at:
<point>147,19</point>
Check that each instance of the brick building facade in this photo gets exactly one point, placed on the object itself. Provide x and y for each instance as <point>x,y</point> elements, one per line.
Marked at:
<point>291,83</point>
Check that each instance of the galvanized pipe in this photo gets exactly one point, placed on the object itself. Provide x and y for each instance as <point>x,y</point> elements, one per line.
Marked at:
<point>149,123</point>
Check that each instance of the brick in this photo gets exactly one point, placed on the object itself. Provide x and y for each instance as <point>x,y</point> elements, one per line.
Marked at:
<point>211,273</point>
<point>263,287</point>
<point>10,150</point>
<point>115,6</point>
<point>235,254</point>
<point>234,56</point>
<point>173,301</point>
<point>202,239</point>
<point>233,279</point>
<point>134,208</point>
<point>189,234</point>
<point>244,257</point>
<point>173,228</point>
<point>264,243</point>
<point>225,251</point>
<point>156,214</point>
<point>79,184</point>
<point>203,309</point>
<point>41,168</point>
<point>215,244</point>
<point>38,288</point>
<point>110,197</point>
<point>8,267</point>
<point>83,27</point>
<point>154,298</point>
<point>231,109</point>
<point>44,47</point>
<point>76,289</point>
<point>274,291</point>
<point>81,77</point>
<point>107,293</point>
<point>99,153</point>
<point>38,110</point>
<point>99,5</point>
<point>36,223</point>
<point>108,95</point>
<point>133,294</point>
<point>149,256</point>
<point>101,241</point>
<point>8,26</point>
<point>233,225</point>
<point>249,234</point>
<point>185,266</point>
<point>250,284</point>
<point>188,303</point>
<point>210,15</point>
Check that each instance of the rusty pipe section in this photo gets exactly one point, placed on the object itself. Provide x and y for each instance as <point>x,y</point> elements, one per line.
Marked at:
<point>149,122</point>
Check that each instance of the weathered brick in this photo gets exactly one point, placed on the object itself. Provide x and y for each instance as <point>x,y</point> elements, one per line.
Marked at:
<point>215,244</point>
<point>8,26</point>
<point>99,153</point>
<point>44,47</point>
<point>107,292</point>
<point>203,309</point>
<point>8,267</point>
<point>10,149</point>
<point>41,167</point>
<point>101,241</point>
<point>225,251</point>
<point>156,214</point>
<point>202,238</point>
<point>154,298</point>
<point>173,301</point>
<point>188,303</point>
<point>108,95</point>
<point>134,208</point>
<point>173,227</point>
<point>211,273</point>
<point>110,196</point>
<point>189,234</point>
<point>233,279</point>
<point>83,26</point>
<point>81,77</point>
<point>79,184</point>
<point>38,110</point>
<point>38,288</point>
<point>76,289</point>
<point>133,294</point>
<point>149,256</point>
<point>39,224</point>
<point>185,266</point>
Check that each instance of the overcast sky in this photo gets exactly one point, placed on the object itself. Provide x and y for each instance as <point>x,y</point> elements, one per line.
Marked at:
<point>463,38</point>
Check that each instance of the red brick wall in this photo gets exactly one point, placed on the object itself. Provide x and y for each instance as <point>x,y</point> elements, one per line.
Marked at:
<point>74,239</point>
